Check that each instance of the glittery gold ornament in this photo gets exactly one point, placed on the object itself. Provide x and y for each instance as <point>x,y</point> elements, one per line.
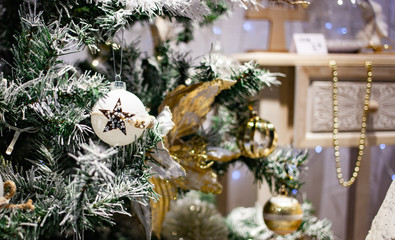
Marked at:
<point>194,159</point>
<point>256,137</point>
<point>282,214</point>
<point>189,106</point>
<point>160,207</point>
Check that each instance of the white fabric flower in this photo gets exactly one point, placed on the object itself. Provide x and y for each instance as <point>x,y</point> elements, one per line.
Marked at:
<point>165,124</point>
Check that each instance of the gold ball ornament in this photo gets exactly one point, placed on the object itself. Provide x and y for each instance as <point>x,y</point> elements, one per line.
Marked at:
<point>282,214</point>
<point>257,137</point>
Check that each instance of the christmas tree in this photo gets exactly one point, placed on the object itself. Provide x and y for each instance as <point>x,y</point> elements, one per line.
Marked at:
<point>82,157</point>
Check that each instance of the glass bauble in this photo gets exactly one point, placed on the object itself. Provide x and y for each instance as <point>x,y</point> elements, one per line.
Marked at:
<point>257,137</point>
<point>114,116</point>
<point>282,214</point>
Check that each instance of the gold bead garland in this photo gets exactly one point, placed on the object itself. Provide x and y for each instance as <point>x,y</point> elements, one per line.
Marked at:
<point>362,137</point>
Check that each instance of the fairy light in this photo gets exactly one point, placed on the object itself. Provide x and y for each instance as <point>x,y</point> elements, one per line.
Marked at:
<point>95,63</point>
<point>236,175</point>
<point>318,149</point>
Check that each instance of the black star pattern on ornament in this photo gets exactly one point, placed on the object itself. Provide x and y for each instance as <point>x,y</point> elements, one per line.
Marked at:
<point>116,118</point>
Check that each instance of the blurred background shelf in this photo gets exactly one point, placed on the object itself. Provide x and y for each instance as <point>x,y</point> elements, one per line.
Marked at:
<point>291,108</point>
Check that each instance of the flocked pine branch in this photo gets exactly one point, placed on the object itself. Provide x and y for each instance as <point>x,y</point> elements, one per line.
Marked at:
<point>162,74</point>
<point>194,9</point>
<point>48,191</point>
<point>97,193</point>
<point>56,103</point>
<point>88,184</point>
<point>43,93</point>
<point>39,45</point>
<point>314,227</point>
<point>249,77</point>
<point>280,168</point>
<point>95,21</point>
<point>91,197</point>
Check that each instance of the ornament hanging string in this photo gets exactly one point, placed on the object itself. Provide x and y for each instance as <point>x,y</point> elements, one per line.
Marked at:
<point>138,123</point>
<point>129,113</point>
<point>118,75</point>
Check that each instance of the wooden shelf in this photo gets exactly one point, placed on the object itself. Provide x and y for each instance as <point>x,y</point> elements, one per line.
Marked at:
<point>293,59</point>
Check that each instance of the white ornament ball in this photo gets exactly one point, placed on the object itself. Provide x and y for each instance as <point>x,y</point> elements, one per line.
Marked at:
<point>114,116</point>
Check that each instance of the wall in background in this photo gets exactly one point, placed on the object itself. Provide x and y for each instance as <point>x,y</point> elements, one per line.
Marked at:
<point>239,35</point>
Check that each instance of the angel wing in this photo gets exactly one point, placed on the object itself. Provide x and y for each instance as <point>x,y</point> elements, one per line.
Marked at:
<point>190,105</point>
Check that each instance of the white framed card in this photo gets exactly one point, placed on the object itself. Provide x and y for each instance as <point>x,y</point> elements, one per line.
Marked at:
<point>309,44</point>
